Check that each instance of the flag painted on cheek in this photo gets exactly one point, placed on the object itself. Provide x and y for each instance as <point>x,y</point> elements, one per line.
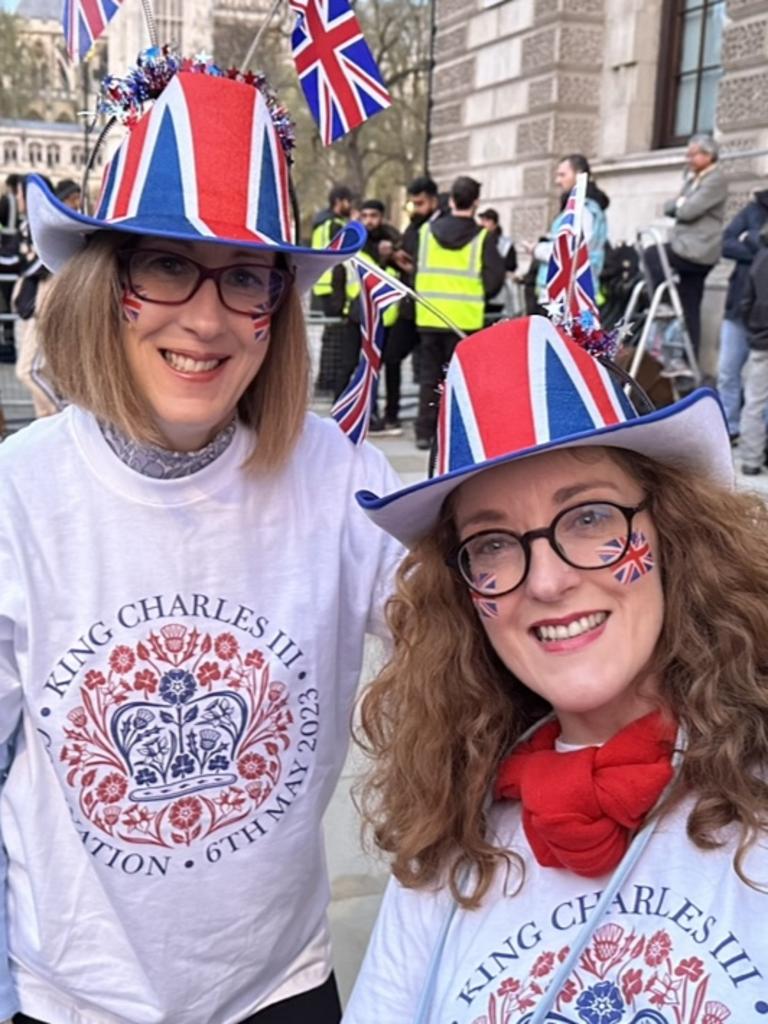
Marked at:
<point>488,609</point>
<point>636,563</point>
<point>132,306</point>
<point>261,323</point>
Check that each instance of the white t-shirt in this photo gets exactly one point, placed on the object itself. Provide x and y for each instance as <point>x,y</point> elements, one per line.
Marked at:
<point>184,654</point>
<point>684,942</point>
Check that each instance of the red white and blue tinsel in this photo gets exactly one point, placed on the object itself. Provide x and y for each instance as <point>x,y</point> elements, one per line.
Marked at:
<point>124,98</point>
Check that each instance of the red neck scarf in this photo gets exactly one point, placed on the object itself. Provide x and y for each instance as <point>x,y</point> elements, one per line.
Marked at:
<point>580,808</point>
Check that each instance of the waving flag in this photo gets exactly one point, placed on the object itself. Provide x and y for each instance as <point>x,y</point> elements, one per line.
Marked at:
<point>352,409</point>
<point>570,284</point>
<point>338,74</point>
<point>84,21</point>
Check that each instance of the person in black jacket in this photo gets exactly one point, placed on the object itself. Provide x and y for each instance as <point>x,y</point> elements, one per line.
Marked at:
<point>754,308</point>
<point>741,241</point>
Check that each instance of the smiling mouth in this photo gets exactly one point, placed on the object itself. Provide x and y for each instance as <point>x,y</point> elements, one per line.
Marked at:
<point>185,364</point>
<point>585,624</point>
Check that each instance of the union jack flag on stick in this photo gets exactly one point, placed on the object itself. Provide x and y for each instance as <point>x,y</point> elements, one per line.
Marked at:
<point>338,74</point>
<point>352,409</point>
<point>84,21</point>
<point>570,284</point>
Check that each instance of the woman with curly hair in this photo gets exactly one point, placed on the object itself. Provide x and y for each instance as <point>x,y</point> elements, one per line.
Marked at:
<point>570,739</point>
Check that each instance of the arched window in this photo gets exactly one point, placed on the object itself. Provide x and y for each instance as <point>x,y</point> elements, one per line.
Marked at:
<point>690,68</point>
<point>53,155</point>
<point>35,152</point>
<point>10,153</point>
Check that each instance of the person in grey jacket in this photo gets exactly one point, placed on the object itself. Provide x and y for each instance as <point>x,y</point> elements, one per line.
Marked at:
<point>695,241</point>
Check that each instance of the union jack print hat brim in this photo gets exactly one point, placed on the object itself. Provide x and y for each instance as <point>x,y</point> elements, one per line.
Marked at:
<point>205,163</point>
<point>523,387</point>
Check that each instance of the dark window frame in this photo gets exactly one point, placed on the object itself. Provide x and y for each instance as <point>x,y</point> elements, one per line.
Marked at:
<point>668,77</point>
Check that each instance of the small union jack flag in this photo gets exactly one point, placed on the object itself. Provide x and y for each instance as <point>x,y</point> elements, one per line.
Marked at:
<point>84,21</point>
<point>352,409</point>
<point>337,71</point>
<point>570,283</point>
<point>636,562</point>
<point>487,608</point>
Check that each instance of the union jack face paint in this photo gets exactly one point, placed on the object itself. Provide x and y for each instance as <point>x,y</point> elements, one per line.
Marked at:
<point>131,305</point>
<point>636,563</point>
<point>486,608</point>
<point>261,326</point>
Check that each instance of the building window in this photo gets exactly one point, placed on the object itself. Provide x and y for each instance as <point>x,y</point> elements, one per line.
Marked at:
<point>35,154</point>
<point>10,153</point>
<point>170,20</point>
<point>53,156</point>
<point>689,69</point>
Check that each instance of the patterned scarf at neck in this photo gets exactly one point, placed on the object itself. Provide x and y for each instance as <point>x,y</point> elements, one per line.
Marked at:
<point>582,807</point>
<point>160,463</point>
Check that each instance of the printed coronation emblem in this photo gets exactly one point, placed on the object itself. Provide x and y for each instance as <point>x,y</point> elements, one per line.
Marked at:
<point>637,561</point>
<point>178,737</point>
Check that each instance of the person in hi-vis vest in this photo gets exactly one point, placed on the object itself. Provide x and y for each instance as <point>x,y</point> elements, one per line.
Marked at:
<point>458,268</point>
<point>329,293</point>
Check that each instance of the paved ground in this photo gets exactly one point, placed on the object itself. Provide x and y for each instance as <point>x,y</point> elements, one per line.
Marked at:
<point>357,880</point>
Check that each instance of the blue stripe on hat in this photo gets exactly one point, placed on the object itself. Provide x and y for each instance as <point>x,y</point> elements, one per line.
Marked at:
<point>268,216</point>
<point>109,185</point>
<point>460,449</point>
<point>163,193</point>
<point>565,406</point>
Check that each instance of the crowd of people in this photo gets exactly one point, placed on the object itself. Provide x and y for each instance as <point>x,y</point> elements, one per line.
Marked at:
<point>568,739</point>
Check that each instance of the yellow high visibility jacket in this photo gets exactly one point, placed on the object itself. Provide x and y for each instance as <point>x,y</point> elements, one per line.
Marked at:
<point>451,279</point>
<point>321,239</point>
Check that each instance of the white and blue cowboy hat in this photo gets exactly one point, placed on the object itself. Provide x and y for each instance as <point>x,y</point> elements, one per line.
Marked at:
<point>523,387</point>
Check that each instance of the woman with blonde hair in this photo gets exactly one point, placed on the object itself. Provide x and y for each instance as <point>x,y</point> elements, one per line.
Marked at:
<point>185,584</point>
<point>571,737</point>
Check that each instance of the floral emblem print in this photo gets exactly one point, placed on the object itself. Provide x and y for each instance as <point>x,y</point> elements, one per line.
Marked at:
<point>621,978</point>
<point>177,737</point>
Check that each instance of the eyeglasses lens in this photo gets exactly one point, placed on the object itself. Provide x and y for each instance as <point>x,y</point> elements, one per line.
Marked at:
<point>590,536</point>
<point>168,277</point>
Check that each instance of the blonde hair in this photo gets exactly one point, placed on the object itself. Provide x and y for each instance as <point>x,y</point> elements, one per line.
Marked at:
<point>80,328</point>
<point>443,712</point>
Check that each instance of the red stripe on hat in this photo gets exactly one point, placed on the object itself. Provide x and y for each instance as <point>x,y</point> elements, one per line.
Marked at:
<point>504,416</point>
<point>133,153</point>
<point>590,370</point>
<point>221,125</point>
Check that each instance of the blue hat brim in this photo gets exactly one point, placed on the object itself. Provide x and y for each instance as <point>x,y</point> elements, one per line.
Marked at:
<point>58,233</point>
<point>690,433</point>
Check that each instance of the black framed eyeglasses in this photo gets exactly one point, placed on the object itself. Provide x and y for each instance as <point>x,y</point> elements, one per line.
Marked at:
<point>591,535</point>
<point>170,279</point>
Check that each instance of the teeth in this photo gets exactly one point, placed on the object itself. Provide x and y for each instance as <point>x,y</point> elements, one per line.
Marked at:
<point>187,365</point>
<point>575,628</point>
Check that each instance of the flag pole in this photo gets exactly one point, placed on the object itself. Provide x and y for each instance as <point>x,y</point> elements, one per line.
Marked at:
<point>257,38</point>
<point>149,17</point>
<point>405,290</point>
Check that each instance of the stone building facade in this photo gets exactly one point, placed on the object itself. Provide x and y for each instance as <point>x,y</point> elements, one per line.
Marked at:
<point>519,83</point>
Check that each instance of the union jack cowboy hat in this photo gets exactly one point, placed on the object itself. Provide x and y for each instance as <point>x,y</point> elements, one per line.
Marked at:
<point>204,163</point>
<point>524,387</point>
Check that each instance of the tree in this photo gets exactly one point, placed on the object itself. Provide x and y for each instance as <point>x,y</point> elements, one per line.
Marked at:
<point>382,155</point>
<point>18,71</point>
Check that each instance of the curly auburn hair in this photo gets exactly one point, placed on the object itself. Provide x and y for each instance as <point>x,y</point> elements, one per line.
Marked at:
<point>444,711</point>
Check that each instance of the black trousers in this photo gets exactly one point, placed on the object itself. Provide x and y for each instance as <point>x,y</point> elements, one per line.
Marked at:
<point>401,341</point>
<point>690,287</point>
<point>318,1006</point>
<point>435,351</point>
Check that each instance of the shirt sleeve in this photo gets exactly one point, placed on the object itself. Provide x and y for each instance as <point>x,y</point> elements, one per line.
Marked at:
<point>394,972</point>
<point>10,711</point>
